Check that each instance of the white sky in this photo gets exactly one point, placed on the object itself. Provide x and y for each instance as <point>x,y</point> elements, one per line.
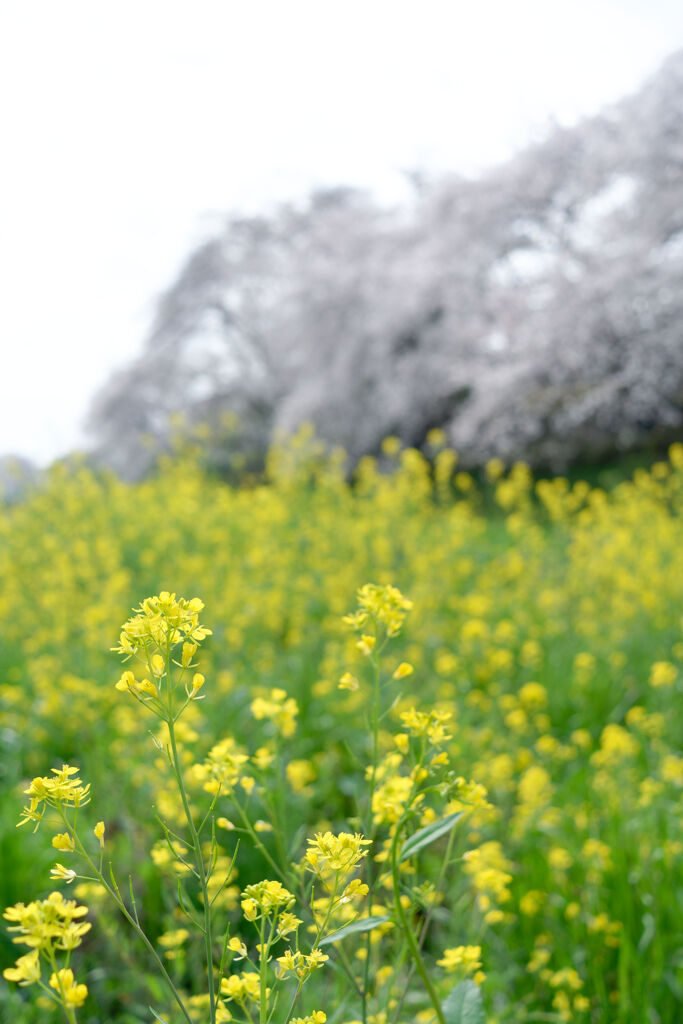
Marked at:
<point>129,127</point>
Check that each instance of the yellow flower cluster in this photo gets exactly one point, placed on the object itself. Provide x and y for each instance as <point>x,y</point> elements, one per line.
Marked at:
<point>73,993</point>
<point>391,797</point>
<point>242,988</point>
<point>264,898</point>
<point>62,789</point>
<point>490,871</point>
<point>222,767</point>
<point>279,709</point>
<point>301,965</point>
<point>663,673</point>
<point>380,605</point>
<point>431,724</point>
<point>160,623</point>
<point>467,795</point>
<point>48,924</point>
<point>335,856</point>
<point>466,959</point>
<point>551,630</point>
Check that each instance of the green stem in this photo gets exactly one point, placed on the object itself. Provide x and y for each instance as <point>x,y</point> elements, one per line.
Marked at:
<point>293,1002</point>
<point>257,841</point>
<point>68,1013</point>
<point>199,861</point>
<point>131,920</point>
<point>408,929</point>
<point>370,827</point>
<point>427,921</point>
<point>263,976</point>
<point>346,967</point>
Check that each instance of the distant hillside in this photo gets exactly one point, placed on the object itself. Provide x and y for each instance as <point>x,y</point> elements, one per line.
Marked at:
<point>534,313</point>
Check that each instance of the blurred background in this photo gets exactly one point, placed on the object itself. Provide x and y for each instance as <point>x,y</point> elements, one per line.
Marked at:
<point>378,218</point>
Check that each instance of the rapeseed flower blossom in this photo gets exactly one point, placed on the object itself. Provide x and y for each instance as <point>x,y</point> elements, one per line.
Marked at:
<point>64,790</point>
<point>279,709</point>
<point>242,988</point>
<point>384,605</point>
<point>264,898</point>
<point>464,959</point>
<point>159,623</point>
<point>74,993</point>
<point>48,925</point>
<point>335,856</point>
<point>552,631</point>
<point>301,965</point>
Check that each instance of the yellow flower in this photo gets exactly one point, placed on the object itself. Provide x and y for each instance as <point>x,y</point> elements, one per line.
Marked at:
<point>533,695</point>
<point>64,790</point>
<point>26,970</point>
<point>197,683</point>
<point>264,897</point>
<point>559,858</point>
<point>354,890</point>
<point>161,621</point>
<point>300,964</point>
<point>222,767</point>
<point>127,681</point>
<point>99,833</point>
<point>72,993</point>
<point>174,938</point>
<point>366,645</point>
<point>241,988</point>
<point>279,708</point>
<point>465,958</point>
<point>189,651</point>
<point>402,742</point>
<point>385,605</point>
<point>250,909</point>
<point>290,961</point>
<point>328,853</point>
<point>59,872</point>
<point>300,774</point>
<point>287,923</point>
<point>158,665</point>
<point>391,445</point>
<point>390,798</point>
<point>48,924</point>
<point>531,902</point>
<point>237,946</point>
<point>403,670</point>
<point>63,841</point>
<point>663,674</point>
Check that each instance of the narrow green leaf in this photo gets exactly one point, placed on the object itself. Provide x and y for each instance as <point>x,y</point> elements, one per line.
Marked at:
<point>464,1005</point>
<point>428,834</point>
<point>156,1016</point>
<point>363,924</point>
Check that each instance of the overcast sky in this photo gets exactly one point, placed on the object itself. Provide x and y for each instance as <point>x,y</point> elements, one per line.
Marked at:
<point>129,128</point>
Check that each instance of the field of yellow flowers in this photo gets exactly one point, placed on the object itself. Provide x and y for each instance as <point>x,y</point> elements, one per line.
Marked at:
<point>527,677</point>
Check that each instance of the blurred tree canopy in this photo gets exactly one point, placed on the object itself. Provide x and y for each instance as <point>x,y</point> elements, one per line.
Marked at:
<point>535,313</point>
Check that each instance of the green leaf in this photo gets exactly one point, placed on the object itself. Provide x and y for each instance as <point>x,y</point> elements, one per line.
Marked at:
<point>156,1016</point>
<point>464,1005</point>
<point>428,834</point>
<point>363,924</point>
